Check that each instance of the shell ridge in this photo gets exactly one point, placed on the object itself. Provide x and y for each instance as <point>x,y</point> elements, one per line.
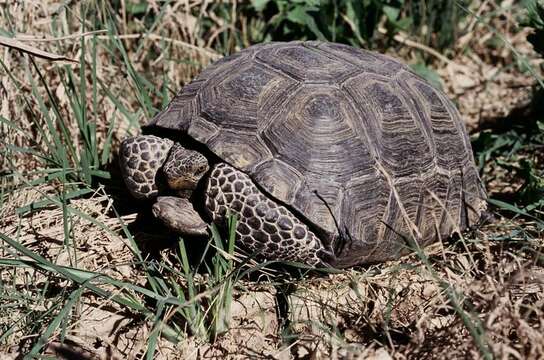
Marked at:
<point>276,69</point>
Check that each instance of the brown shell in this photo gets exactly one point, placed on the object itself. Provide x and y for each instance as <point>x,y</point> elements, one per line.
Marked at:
<point>350,139</point>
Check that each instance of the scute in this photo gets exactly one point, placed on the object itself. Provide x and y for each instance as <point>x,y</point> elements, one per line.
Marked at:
<point>317,133</point>
<point>229,104</point>
<point>281,180</point>
<point>365,151</point>
<point>393,126</point>
<point>241,149</point>
<point>366,61</point>
<point>451,148</point>
<point>305,63</point>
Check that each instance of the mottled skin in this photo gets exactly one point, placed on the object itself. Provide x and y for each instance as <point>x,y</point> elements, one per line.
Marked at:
<point>265,228</point>
<point>140,160</point>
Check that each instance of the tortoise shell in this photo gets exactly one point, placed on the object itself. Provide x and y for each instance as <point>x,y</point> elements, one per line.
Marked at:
<point>368,153</point>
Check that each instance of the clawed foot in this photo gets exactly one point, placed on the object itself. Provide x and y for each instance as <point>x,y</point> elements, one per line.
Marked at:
<point>179,215</point>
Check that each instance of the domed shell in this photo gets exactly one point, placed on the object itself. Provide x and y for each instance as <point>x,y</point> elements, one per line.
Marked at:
<point>353,141</point>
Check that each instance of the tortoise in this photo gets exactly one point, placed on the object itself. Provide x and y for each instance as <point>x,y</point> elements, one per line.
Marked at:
<point>328,155</point>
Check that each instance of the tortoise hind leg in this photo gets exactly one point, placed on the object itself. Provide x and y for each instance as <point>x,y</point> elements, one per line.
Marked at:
<point>264,226</point>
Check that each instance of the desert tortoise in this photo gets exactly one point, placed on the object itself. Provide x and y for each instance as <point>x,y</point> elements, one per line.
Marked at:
<point>327,153</point>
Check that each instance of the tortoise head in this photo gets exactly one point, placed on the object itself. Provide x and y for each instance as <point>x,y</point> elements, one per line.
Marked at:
<point>184,168</point>
<point>142,158</point>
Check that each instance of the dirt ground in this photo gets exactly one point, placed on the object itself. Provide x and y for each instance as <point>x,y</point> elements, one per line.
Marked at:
<point>399,309</point>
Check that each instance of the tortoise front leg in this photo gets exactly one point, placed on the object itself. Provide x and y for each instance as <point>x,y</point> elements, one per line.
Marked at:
<point>264,226</point>
<point>179,215</point>
<point>140,158</point>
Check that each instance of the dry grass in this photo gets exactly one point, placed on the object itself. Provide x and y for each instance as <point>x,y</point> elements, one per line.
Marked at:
<point>480,296</point>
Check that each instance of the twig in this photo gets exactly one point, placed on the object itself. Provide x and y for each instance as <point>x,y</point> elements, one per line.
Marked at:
<point>210,53</point>
<point>474,20</point>
<point>403,39</point>
<point>15,44</point>
<point>354,29</point>
<point>24,37</point>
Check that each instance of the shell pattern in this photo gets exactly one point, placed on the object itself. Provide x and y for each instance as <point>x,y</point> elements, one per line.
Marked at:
<point>364,150</point>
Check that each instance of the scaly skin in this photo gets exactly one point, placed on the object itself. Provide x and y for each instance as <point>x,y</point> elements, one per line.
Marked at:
<point>264,227</point>
<point>140,159</point>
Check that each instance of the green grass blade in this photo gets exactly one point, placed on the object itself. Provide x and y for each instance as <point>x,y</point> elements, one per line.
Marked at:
<point>62,315</point>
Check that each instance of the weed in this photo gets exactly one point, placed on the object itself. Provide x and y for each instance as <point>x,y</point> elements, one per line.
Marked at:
<point>535,19</point>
